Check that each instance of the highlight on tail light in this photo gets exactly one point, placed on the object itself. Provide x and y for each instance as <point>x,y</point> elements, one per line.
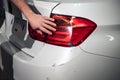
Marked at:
<point>70,31</point>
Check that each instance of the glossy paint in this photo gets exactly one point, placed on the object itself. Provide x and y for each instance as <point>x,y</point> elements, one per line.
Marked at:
<point>97,58</point>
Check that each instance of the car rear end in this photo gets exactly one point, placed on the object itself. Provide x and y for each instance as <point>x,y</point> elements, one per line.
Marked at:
<point>84,47</point>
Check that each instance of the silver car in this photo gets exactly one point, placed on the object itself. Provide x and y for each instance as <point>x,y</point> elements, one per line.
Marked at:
<point>85,46</point>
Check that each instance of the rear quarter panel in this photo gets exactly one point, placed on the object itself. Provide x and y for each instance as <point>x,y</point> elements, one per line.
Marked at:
<point>105,40</point>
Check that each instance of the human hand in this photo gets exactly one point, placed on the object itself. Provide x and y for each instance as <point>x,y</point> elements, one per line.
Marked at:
<point>42,24</point>
<point>38,22</point>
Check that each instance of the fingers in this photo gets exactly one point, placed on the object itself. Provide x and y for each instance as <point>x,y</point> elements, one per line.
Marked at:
<point>47,18</point>
<point>48,25</point>
<point>46,28</point>
<point>49,21</point>
<point>38,31</point>
<point>42,24</point>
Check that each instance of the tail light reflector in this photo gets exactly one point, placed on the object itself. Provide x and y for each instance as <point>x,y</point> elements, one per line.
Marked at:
<point>70,31</point>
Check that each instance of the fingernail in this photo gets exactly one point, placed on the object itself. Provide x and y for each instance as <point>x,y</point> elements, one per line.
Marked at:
<point>54,29</point>
<point>53,18</point>
<point>55,24</point>
<point>50,33</point>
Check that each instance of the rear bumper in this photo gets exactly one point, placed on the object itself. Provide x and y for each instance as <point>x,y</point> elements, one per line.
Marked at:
<point>82,66</point>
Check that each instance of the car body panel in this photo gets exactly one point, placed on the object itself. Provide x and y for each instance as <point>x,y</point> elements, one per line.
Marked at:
<point>107,32</point>
<point>17,33</point>
<point>80,62</point>
<point>74,64</point>
<point>2,28</point>
<point>105,41</point>
<point>71,1</point>
<point>35,60</point>
<point>6,47</point>
<point>95,11</point>
<point>44,8</point>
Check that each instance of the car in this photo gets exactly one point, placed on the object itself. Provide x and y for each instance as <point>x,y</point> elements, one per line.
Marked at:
<point>85,45</point>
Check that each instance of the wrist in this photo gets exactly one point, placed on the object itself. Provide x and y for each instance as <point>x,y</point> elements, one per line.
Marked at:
<point>27,12</point>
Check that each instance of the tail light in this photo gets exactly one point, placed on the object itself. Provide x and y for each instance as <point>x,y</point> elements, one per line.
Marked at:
<point>70,31</point>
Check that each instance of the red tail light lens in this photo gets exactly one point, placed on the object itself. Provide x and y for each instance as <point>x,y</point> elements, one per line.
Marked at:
<point>70,31</point>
